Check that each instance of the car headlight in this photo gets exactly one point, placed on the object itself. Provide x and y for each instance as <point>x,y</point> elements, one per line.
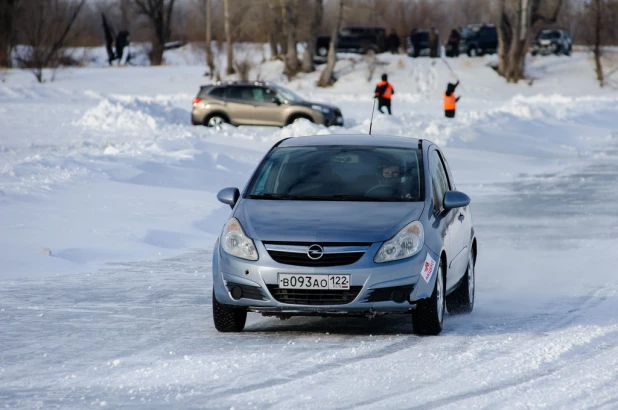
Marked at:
<point>323,109</point>
<point>406,243</point>
<point>236,243</point>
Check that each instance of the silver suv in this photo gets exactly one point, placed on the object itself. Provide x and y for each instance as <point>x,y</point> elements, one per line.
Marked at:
<point>257,103</point>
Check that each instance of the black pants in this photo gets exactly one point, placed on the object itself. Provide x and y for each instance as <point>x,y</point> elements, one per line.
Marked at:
<point>384,102</point>
<point>449,113</point>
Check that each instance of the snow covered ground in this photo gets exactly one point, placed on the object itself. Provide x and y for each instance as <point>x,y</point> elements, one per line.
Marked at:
<point>108,215</point>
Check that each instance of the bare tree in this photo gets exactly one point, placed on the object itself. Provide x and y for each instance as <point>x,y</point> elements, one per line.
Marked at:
<point>289,10</point>
<point>327,77</point>
<point>208,37</point>
<point>159,12</point>
<point>316,22</point>
<point>228,38</point>
<point>46,28</point>
<point>7,8</point>
<point>517,19</point>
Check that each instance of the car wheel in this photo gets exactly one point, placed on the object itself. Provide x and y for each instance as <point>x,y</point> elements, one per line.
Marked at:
<point>428,317</point>
<point>215,121</point>
<point>322,51</point>
<point>473,52</point>
<point>228,318</point>
<point>462,299</point>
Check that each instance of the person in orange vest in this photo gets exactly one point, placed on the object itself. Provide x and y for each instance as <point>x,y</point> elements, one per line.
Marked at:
<point>384,92</point>
<point>450,101</point>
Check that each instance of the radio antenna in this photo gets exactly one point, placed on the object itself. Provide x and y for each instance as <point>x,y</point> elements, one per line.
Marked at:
<point>372,110</point>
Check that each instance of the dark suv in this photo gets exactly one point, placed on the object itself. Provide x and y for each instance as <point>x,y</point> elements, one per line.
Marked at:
<point>353,40</point>
<point>552,42</point>
<point>257,103</point>
<point>479,39</point>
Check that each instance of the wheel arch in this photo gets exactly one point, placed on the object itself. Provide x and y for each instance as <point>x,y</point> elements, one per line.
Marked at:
<point>296,115</point>
<point>217,112</point>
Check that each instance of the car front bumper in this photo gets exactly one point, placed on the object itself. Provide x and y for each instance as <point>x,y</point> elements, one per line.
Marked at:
<point>374,281</point>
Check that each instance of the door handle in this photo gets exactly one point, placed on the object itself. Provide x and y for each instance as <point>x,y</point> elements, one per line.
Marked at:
<point>461,217</point>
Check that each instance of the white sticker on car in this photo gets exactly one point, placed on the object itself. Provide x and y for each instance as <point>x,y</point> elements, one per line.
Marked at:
<point>428,267</point>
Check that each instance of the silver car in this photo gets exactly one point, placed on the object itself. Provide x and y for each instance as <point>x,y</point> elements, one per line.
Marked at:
<point>354,225</point>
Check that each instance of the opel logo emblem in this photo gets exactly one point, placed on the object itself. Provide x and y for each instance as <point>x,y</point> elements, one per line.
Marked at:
<point>315,252</point>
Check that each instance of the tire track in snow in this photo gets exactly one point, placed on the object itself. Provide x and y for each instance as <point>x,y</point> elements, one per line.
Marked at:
<point>586,352</point>
<point>404,344</point>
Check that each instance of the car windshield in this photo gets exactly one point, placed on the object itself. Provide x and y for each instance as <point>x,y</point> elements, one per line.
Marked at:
<point>470,31</point>
<point>288,95</point>
<point>340,173</point>
<point>547,35</point>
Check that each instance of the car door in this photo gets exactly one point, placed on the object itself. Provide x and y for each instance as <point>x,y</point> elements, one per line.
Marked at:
<point>464,231</point>
<point>266,111</point>
<point>448,220</point>
<point>240,106</point>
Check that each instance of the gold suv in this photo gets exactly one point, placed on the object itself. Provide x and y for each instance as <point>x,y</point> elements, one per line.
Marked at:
<point>257,103</point>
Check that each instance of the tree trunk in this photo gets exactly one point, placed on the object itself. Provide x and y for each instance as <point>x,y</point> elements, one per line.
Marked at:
<point>228,38</point>
<point>209,60</point>
<point>327,78</point>
<point>597,42</point>
<point>156,54</point>
<point>514,33</point>
<point>318,12</point>
<point>124,15</point>
<point>274,33</point>
<point>6,32</point>
<point>289,10</point>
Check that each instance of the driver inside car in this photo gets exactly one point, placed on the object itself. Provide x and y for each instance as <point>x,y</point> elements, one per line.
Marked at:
<point>391,175</point>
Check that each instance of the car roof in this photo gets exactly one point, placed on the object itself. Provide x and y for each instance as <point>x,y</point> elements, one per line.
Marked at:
<point>224,83</point>
<point>352,140</point>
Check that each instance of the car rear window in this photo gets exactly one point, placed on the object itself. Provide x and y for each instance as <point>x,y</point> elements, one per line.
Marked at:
<point>340,173</point>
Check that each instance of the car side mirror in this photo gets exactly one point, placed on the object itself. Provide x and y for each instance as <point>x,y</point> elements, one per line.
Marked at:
<point>229,196</point>
<point>276,100</point>
<point>455,199</point>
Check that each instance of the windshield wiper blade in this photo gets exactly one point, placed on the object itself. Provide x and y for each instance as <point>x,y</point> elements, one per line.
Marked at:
<point>273,196</point>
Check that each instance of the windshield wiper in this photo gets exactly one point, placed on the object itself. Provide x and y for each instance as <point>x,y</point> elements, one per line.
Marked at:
<point>274,196</point>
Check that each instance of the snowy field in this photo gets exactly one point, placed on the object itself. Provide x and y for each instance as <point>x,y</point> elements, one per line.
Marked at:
<point>108,216</point>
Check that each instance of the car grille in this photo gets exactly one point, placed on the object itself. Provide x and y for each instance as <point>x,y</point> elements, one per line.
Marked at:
<point>248,292</point>
<point>314,296</point>
<point>384,294</point>
<point>334,254</point>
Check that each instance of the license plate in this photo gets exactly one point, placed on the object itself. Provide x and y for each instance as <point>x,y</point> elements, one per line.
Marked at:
<point>295,281</point>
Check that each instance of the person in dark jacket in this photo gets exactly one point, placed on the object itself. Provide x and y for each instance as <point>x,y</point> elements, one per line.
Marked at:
<point>450,102</point>
<point>384,92</point>
<point>453,43</point>
<point>416,42</point>
<point>433,42</point>
<point>393,42</point>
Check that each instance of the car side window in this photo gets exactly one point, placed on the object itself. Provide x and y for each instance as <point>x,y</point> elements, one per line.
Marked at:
<point>439,180</point>
<point>243,93</point>
<point>217,92</point>
<point>261,94</point>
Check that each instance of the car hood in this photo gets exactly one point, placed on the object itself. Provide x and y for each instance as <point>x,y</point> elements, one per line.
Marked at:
<point>325,221</point>
<point>310,103</point>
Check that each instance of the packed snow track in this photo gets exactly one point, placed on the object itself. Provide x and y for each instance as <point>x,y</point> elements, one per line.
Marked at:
<point>108,216</point>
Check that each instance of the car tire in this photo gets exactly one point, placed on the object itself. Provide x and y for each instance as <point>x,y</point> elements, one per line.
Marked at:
<point>462,299</point>
<point>322,51</point>
<point>228,318</point>
<point>428,317</point>
<point>215,120</point>
<point>473,52</point>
